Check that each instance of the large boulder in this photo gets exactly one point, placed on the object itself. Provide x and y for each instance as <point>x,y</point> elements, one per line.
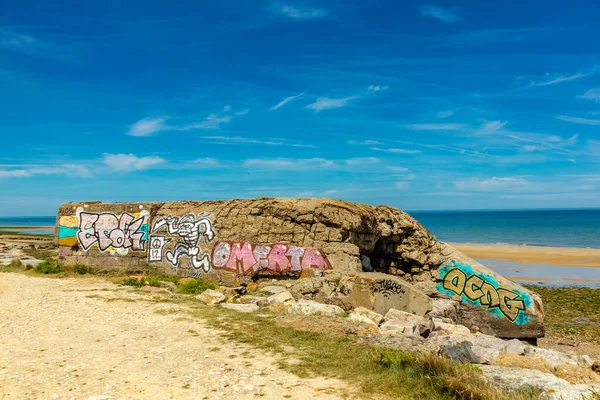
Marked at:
<point>235,242</point>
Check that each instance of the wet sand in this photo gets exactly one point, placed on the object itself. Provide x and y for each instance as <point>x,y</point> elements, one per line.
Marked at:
<point>561,256</point>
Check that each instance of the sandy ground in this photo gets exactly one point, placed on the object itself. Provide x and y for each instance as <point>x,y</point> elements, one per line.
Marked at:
<point>567,256</point>
<point>61,339</point>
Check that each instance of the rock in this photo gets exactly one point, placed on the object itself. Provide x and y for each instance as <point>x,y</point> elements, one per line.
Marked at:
<point>311,273</point>
<point>514,346</point>
<point>596,367</point>
<point>400,322</point>
<point>245,308</point>
<point>252,287</point>
<point>363,319</point>
<point>273,289</point>
<point>168,285</point>
<point>280,297</point>
<point>310,307</point>
<point>372,315</point>
<point>445,328</point>
<point>398,327</point>
<point>258,300</point>
<point>185,280</point>
<point>460,352</point>
<point>425,327</point>
<point>211,297</point>
<point>444,308</point>
<point>381,292</point>
<point>510,378</point>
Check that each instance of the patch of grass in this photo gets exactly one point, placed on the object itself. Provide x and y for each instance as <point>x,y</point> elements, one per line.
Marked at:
<point>14,266</point>
<point>571,312</point>
<point>49,266</point>
<point>83,269</point>
<point>196,286</point>
<point>373,372</point>
<point>148,280</point>
<point>40,254</point>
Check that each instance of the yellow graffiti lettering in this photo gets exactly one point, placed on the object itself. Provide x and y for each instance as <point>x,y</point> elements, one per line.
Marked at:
<point>455,281</point>
<point>472,286</point>
<point>509,306</point>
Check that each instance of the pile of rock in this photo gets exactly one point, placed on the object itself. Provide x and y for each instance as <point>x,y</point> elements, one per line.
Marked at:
<point>558,374</point>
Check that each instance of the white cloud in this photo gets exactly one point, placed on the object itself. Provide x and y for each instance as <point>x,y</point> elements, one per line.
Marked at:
<point>147,126</point>
<point>559,79</point>
<point>130,162</point>
<point>491,127</point>
<point>396,151</point>
<point>362,161</point>
<point>445,114</point>
<point>30,171</point>
<point>436,127</point>
<point>287,163</point>
<point>298,13</point>
<point>207,162</point>
<point>285,101</point>
<point>365,142</point>
<point>325,103</point>
<point>328,193</point>
<point>592,94</point>
<point>397,169</point>
<point>489,184</point>
<point>444,15</point>
<point>243,112</point>
<point>211,122</point>
<point>402,184</point>
<point>377,88</point>
<point>576,120</point>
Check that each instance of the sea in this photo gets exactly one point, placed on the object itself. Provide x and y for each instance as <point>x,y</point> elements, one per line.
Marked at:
<point>561,228</point>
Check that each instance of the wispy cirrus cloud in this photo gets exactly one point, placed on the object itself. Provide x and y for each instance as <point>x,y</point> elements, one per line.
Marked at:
<point>150,126</point>
<point>288,163</point>
<point>442,14</point>
<point>130,162</point>
<point>18,42</point>
<point>436,127</point>
<point>240,140</point>
<point>285,101</point>
<point>327,103</point>
<point>592,94</point>
<point>396,151</point>
<point>491,127</point>
<point>298,13</point>
<point>38,170</point>
<point>554,79</point>
<point>147,126</point>
<point>577,120</point>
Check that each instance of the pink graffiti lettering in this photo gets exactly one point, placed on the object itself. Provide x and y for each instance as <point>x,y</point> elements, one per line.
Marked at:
<point>278,258</point>
<point>107,231</point>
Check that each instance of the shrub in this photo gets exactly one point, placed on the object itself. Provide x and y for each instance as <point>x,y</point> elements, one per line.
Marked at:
<point>49,266</point>
<point>83,269</point>
<point>196,286</point>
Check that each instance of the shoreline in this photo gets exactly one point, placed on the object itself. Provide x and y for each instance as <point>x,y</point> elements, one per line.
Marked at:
<point>559,256</point>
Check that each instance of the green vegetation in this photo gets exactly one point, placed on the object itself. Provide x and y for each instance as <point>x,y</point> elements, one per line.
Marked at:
<point>40,254</point>
<point>83,269</point>
<point>373,372</point>
<point>14,266</point>
<point>49,266</point>
<point>196,286</point>
<point>571,313</point>
<point>143,280</point>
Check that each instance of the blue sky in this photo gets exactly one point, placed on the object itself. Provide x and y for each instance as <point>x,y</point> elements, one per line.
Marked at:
<point>441,105</point>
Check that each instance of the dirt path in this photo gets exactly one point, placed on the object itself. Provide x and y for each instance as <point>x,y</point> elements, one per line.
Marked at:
<point>61,339</point>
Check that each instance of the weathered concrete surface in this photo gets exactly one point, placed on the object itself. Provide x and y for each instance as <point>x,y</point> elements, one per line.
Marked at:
<point>237,241</point>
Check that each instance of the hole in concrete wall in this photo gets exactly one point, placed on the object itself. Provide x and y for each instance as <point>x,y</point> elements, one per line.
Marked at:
<point>383,256</point>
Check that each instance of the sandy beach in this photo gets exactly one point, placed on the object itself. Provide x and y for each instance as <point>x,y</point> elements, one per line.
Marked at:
<point>563,256</point>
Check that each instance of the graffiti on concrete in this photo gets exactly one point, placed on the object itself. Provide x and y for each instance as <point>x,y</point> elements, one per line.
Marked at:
<point>484,290</point>
<point>109,231</point>
<point>248,258</point>
<point>388,288</point>
<point>190,231</point>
